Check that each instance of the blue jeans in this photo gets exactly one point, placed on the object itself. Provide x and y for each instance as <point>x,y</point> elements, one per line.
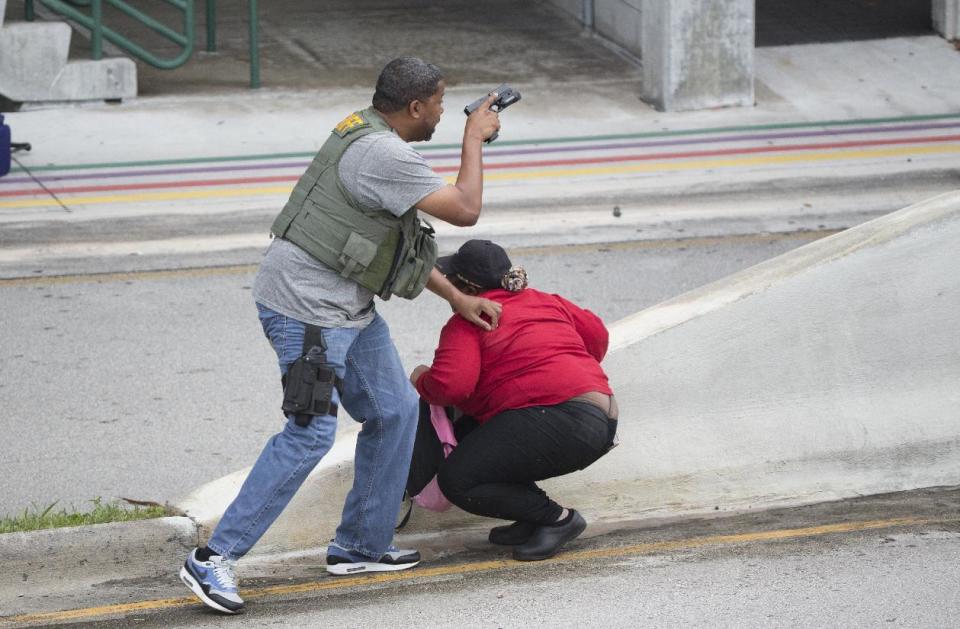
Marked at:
<point>376,393</point>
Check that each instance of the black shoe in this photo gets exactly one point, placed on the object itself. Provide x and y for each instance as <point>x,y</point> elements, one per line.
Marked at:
<point>512,534</point>
<point>547,539</point>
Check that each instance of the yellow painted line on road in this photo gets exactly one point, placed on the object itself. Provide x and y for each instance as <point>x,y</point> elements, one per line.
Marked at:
<point>706,164</point>
<point>338,583</point>
<point>516,175</point>
<point>241,269</point>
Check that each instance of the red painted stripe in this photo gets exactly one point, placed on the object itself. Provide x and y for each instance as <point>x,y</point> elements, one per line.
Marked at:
<point>503,165</point>
<point>714,153</point>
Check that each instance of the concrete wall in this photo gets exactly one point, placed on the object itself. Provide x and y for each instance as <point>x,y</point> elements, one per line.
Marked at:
<point>616,20</point>
<point>621,22</point>
<point>698,54</point>
<point>828,372</point>
<point>946,18</point>
<point>573,8</point>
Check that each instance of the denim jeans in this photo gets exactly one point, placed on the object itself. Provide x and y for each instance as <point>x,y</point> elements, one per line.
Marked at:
<point>375,392</point>
<point>492,472</point>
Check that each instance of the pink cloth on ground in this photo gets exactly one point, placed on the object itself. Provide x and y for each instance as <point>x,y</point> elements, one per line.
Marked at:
<point>431,497</point>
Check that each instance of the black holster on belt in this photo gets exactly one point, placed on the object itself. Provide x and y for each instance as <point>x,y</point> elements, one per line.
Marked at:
<point>309,382</point>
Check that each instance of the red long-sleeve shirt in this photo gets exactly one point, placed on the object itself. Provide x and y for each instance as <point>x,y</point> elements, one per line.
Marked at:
<point>546,350</point>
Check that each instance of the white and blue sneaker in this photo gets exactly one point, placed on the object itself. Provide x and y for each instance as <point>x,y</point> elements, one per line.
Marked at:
<point>341,561</point>
<point>213,581</point>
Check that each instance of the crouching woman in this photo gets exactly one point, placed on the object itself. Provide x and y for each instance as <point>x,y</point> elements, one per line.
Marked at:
<point>535,387</point>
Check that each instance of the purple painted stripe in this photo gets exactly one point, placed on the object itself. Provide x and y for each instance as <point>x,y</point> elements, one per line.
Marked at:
<point>713,140</point>
<point>508,152</point>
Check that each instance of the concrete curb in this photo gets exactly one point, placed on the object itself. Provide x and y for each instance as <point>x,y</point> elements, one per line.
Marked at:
<point>40,563</point>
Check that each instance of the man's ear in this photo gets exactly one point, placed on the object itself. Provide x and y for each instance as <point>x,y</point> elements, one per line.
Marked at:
<point>415,109</point>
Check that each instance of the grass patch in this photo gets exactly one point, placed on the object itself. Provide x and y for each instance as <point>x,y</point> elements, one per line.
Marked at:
<point>36,518</point>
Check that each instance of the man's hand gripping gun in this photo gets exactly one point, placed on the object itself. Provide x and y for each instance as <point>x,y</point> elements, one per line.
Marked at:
<point>506,96</point>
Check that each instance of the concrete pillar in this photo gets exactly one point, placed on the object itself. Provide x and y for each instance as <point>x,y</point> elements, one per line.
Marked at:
<point>946,18</point>
<point>697,54</point>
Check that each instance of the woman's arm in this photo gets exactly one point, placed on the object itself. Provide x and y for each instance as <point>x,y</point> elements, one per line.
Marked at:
<point>590,328</point>
<point>453,376</point>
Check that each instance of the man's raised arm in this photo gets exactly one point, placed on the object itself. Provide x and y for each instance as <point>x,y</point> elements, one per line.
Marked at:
<point>459,204</point>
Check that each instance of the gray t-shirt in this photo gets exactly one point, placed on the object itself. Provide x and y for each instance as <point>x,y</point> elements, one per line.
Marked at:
<point>379,170</point>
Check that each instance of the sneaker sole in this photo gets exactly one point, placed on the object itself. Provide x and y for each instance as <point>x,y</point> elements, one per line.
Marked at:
<point>191,583</point>
<point>342,569</point>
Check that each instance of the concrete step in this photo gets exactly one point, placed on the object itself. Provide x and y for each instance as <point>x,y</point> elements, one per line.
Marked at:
<point>36,67</point>
<point>34,54</point>
<point>104,79</point>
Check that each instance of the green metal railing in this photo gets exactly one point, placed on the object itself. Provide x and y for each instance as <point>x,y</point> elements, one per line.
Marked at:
<point>71,9</point>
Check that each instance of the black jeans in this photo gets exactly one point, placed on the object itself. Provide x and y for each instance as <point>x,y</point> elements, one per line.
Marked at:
<point>492,472</point>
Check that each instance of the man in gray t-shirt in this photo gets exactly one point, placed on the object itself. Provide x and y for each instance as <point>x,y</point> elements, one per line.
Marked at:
<point>379,170</point>
<point>298,297</point>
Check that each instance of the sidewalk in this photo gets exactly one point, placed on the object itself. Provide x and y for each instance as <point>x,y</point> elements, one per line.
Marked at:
<point>884,117</point>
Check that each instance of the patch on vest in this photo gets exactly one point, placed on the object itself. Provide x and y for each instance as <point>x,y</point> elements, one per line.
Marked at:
<point>348,124</point>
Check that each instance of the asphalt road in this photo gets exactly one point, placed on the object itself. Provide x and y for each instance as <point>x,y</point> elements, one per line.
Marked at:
<point>156,380</point>
<point>898,579</point>
<point>882,561</point>
<point>147,384</point>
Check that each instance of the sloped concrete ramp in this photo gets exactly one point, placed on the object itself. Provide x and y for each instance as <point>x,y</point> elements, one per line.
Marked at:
<point>831,371</point>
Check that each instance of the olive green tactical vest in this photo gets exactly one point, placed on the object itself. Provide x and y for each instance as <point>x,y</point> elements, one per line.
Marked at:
<point>385,254</point>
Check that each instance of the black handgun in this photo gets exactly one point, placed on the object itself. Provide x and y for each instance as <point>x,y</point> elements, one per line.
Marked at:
<point>506,96</point>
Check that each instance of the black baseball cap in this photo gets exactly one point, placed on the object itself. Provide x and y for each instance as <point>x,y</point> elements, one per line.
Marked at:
<point>479,262</point>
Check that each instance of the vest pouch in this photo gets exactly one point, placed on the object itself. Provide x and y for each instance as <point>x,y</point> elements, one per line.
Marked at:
<point>358,252</point>
<point>407,274</point>
<point>414,269</point>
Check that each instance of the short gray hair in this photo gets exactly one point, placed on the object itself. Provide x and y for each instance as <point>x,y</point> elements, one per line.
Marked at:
<point>404,80</point>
